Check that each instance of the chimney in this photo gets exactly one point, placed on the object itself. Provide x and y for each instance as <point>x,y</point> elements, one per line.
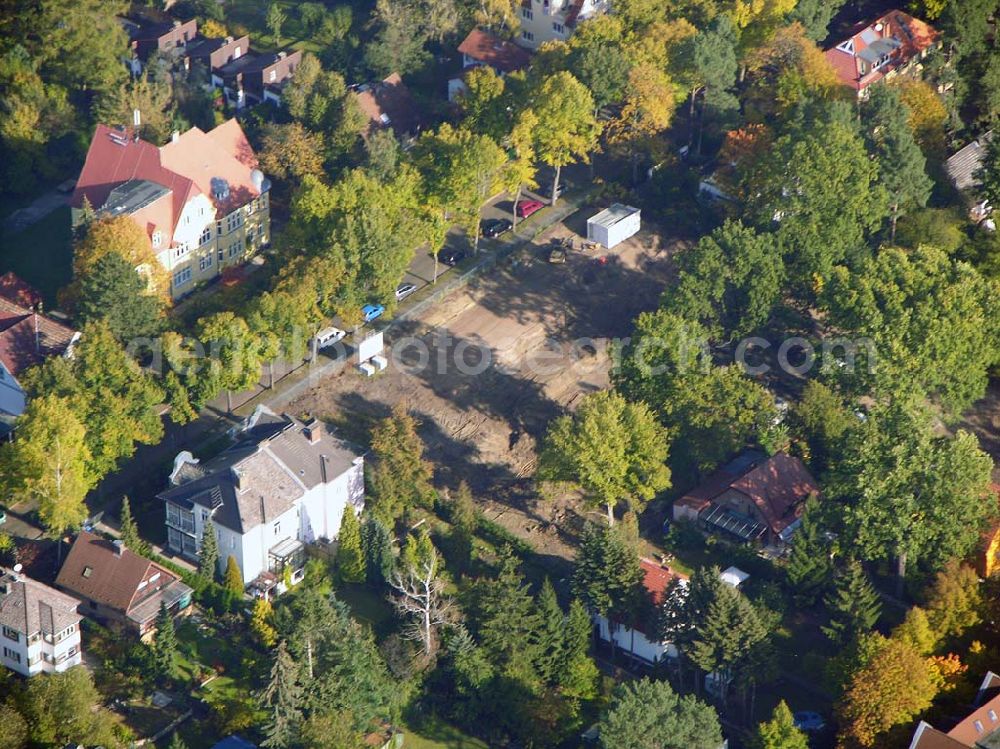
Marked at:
<point>119,547</point>
<point>175,136</point>
<point>281,55</point>
<point>313,430</point>
<point>239,481</point>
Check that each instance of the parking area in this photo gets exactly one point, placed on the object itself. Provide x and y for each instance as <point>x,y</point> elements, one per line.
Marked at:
<point>486,368</point>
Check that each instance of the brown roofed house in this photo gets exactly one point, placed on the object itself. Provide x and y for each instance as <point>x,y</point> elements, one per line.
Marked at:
<point>980,729</point>
<point>483,48</point>
<point>891,45</point>
<point>40,626</point>
<point>215,53</point>
<point>389,103</point>
<point>118,586</point>
<point>753,497</point>
<point>254,78</point>
<point>147,38</point>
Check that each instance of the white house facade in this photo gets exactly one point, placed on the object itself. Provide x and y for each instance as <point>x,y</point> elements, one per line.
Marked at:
<point>554,20</point>
<point>39,626</point>
<point>282,485</point>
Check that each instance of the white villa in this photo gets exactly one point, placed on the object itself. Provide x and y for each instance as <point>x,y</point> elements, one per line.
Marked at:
<point>283,484</point>
<point>39,626</point>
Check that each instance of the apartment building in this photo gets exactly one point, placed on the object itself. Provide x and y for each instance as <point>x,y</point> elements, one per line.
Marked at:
<point>39,626</point>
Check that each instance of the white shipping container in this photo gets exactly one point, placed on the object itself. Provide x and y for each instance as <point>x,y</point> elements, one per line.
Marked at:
<point>613,225</point>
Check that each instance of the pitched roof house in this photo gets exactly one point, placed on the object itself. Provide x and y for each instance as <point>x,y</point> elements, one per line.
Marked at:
<point>117,585</point>
<point>200,198</point>
<point>636,639</point>
<point>254,78</point>
<point>753,497</point>
<point>962,167</point>
<point>483,48</point>
<point>216,53</point>
<point>555,20</point>
<point>980,729</point>
<point>389,103</point>
<point>892,44</point>
<point>145,37</point>
<point>27,338</point>
<point>283,483</point>
<point>39,626</point>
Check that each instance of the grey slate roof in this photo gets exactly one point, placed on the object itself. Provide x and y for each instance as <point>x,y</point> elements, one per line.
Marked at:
<point>261,476</point>
<point>31,607</point>
<point>962,166</point>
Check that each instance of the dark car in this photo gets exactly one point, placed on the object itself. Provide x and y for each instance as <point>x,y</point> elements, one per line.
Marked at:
<point>452,257</point>
<point>494,227</point>
<point>525,208</point>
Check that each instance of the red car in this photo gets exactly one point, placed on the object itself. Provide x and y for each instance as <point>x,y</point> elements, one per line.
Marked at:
<point>525,208</point>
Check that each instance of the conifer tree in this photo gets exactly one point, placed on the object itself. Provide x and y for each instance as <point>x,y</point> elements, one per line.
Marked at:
<point>350,557</point>
<point>282,699</point>
<point>550,659</point>
<point>233,578</point>
<point>208,557</point>
<point>809,566</point>
<point>129,531</point>
<point>164,643</point>
<point>607,578</point>
<point>508,623</point>
<point>176,742</point>
<point>261,619</point>
<point>853,604</point>
<point>376,543</point>
<point>578,676</point>
<point>464,521</point>
<point>399,477</point>
<point>780,732</point>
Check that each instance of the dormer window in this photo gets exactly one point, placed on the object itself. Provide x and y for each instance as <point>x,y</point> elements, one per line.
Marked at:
<point>157,238</point>
<point>88,571</point>
<point>273,76</point>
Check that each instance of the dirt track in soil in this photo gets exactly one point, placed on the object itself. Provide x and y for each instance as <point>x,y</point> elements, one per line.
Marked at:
<point>488,368</point>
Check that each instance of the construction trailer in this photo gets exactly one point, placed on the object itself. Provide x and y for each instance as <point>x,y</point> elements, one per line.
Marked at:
<point>613,225</point>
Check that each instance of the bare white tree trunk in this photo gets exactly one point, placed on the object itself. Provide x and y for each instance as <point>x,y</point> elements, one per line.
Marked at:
<point>420,600</point>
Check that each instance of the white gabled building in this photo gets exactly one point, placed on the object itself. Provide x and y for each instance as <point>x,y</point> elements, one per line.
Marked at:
<point>639,640</point>
<point>39,626</point>
<point>283,484</point>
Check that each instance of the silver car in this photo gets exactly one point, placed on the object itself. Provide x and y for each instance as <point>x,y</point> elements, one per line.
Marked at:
<point>404,290</point>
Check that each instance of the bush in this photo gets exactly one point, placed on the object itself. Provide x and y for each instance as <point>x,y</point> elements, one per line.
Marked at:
<point>496,535</point>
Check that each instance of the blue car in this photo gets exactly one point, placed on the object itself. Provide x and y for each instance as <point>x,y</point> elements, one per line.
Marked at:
<point>372,311</point>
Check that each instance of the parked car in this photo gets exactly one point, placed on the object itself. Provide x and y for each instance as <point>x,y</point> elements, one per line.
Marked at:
<point>494,227</point>
<point>452,257</point>
<point>525,208</point>
<point>3,516</point>
<point>557,255</point>
<point>404,290</point>
<point>328,337</point>
<point>807,720</point>
<point>372,311</point>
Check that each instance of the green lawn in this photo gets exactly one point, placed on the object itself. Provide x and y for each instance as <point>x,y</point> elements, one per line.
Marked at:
<point>370,607</point>
<point>436,734</point>
<point>42,254</point>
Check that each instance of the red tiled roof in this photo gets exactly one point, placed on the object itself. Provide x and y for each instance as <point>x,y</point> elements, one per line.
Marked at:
<point>778,487</point>
<point>19,291</point>
<point>27,338</point>
<point>913,35</point>
<point>391,100</point>
<point>113,579</point>
<point>657,578</point>
<point>185,167</point>
<point>222,152</point>
<point>502,55</point>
